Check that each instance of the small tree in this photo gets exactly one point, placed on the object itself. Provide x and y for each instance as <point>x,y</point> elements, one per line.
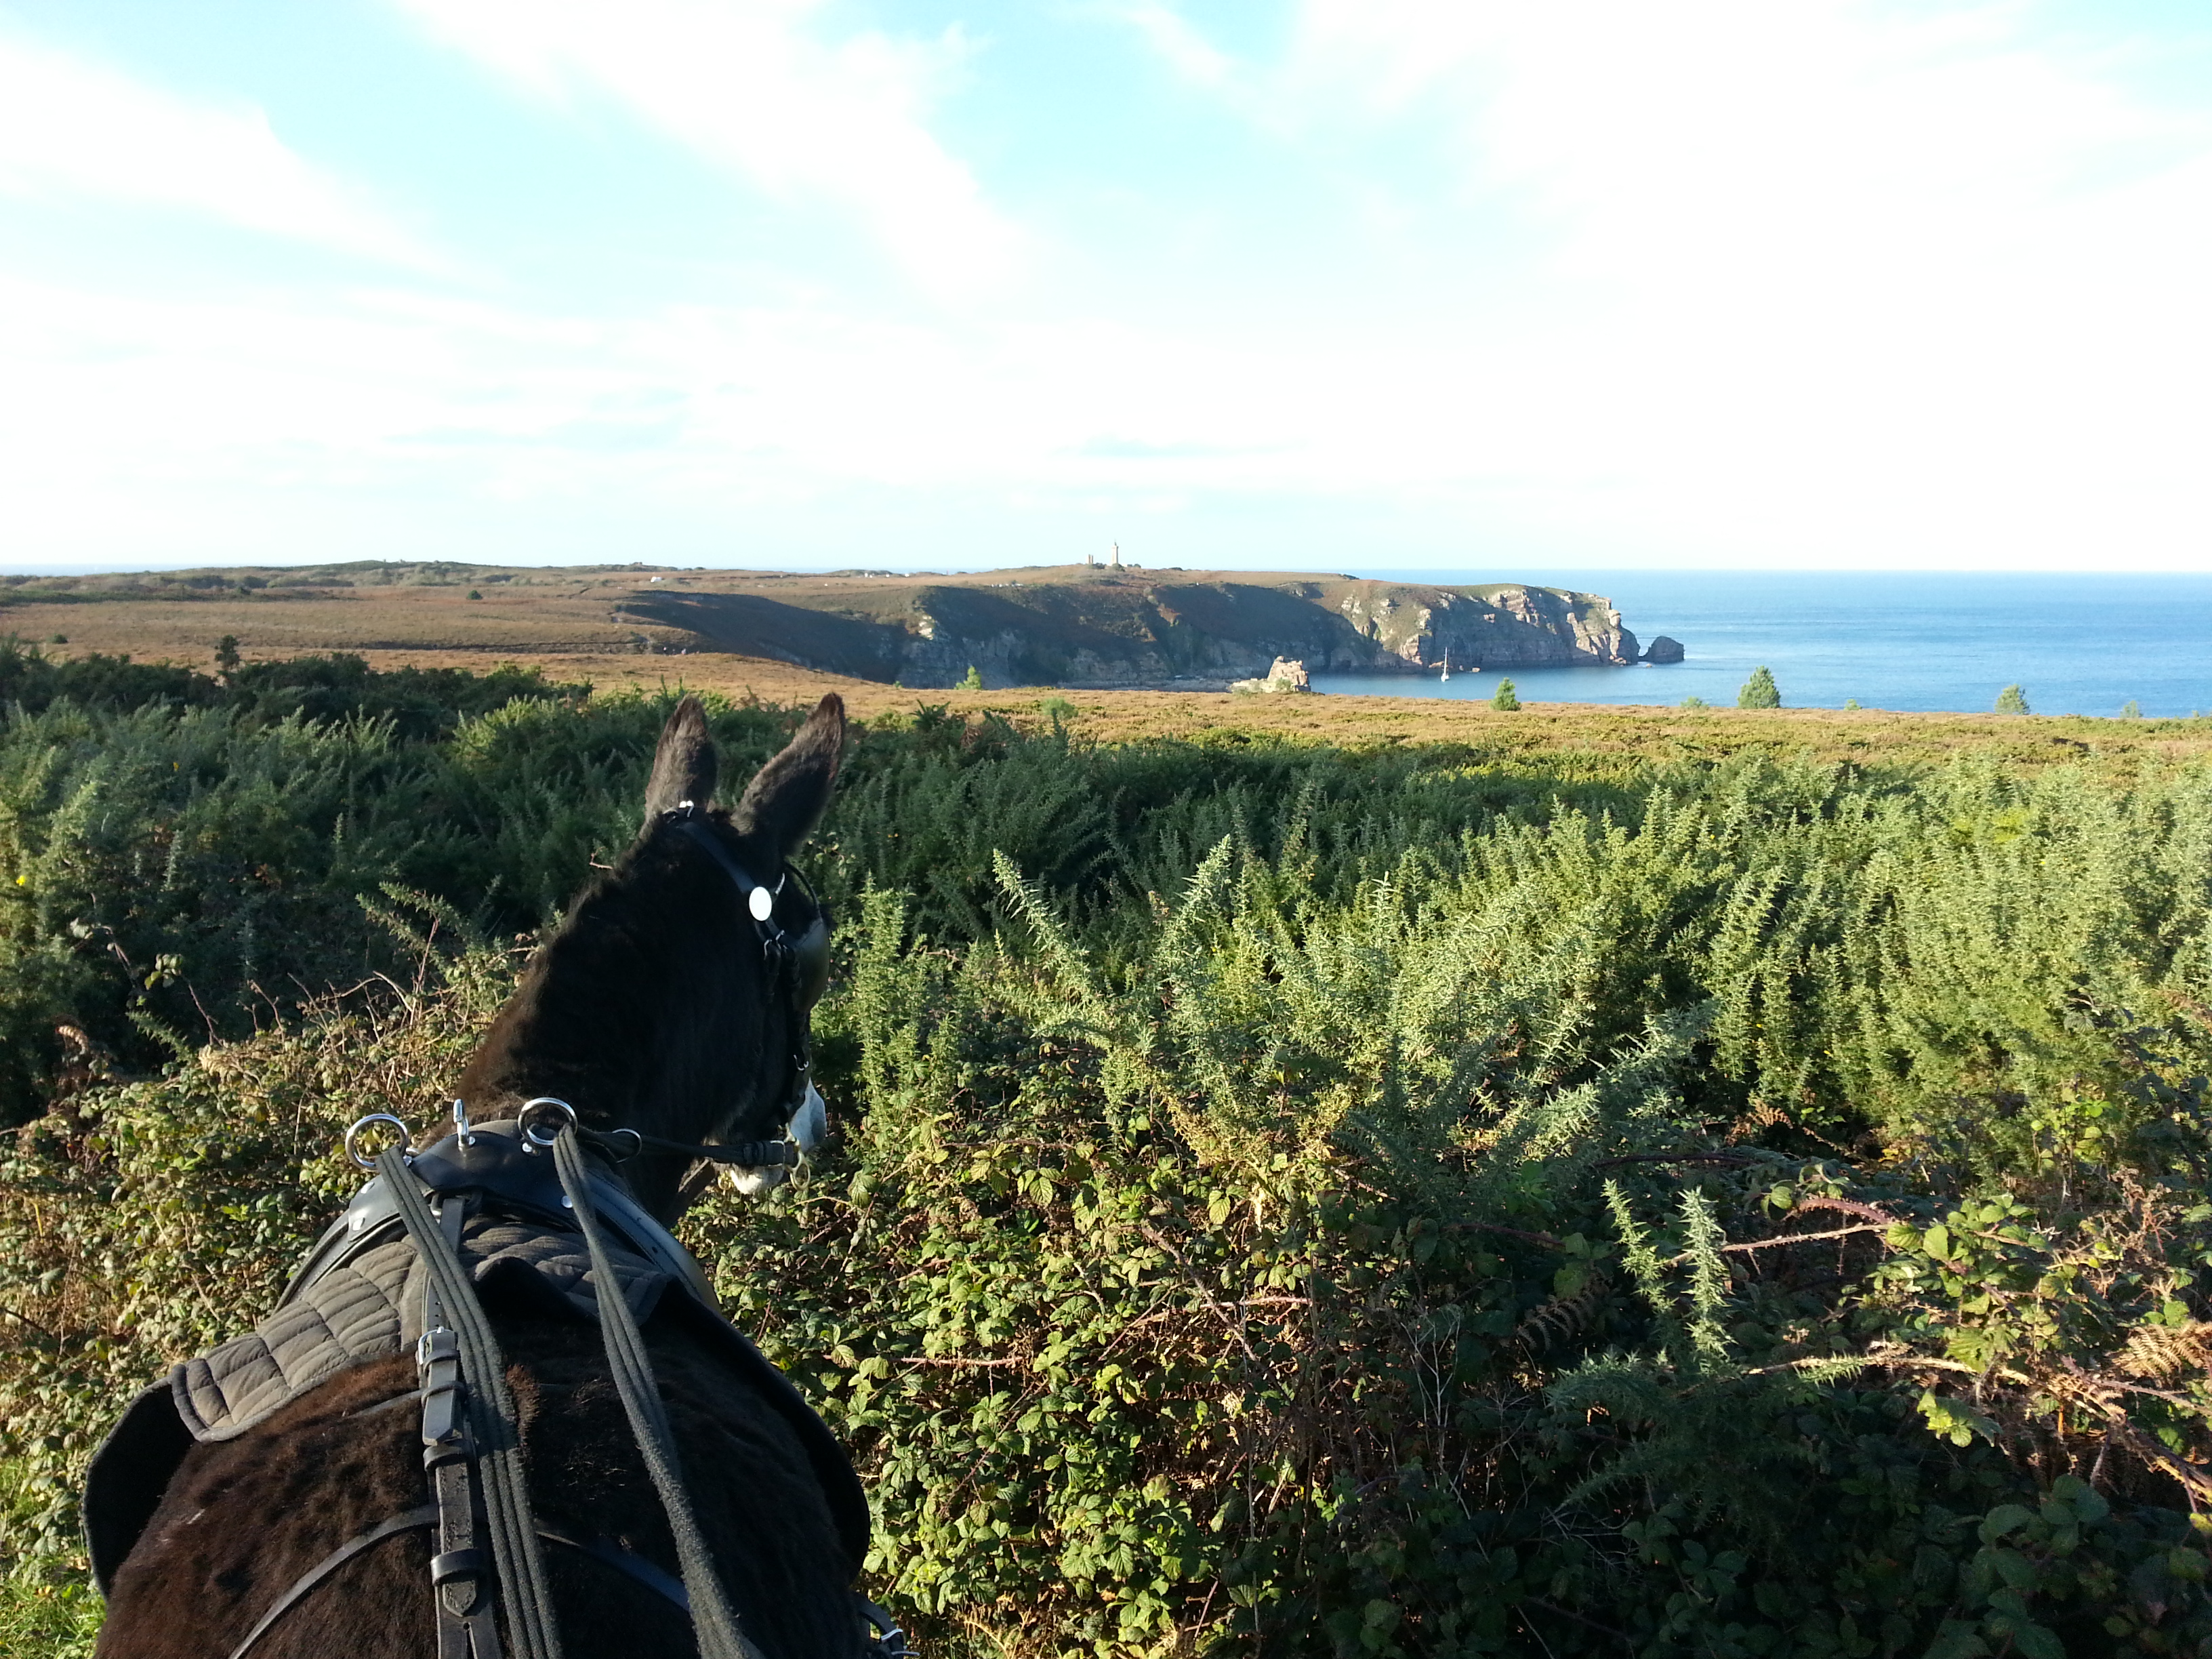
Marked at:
<point>1694,702</point>
<point>226,653</point>
<point>1503,697</point>
<point>975,680</point>
<point>1760,690</point>
<point>2012,700</point>
<point>1851,703</point>
<point>2131,710</point>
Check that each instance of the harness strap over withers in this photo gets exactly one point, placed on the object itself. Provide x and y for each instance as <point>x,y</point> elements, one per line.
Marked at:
<point>461,1577</point>
<point>493,1422</point>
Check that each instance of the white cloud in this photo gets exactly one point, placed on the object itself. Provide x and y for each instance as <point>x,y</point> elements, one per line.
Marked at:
<point>1176,39</point>
<point>1732,284</point>
<point>747,84</point>
<point>137,427</point>
<point>72,128</point>
<point>1868,283</point>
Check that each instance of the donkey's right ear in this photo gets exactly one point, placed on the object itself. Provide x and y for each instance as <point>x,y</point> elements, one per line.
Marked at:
<point>788,796</point>
<point>683,766</point>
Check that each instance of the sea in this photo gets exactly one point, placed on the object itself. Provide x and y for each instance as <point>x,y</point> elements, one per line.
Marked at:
<point>2074,644</point>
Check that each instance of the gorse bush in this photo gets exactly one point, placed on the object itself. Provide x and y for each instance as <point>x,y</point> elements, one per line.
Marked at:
<point>1297,1200</point>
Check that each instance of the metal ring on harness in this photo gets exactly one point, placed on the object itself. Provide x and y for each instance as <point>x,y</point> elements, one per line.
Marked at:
<point>602,1137</point>
<point>398,1129</point>
<point>531,1140</point>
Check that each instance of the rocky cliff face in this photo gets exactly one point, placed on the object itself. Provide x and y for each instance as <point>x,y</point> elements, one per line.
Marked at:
<point>1484,628</point>
<point>1095,627</point>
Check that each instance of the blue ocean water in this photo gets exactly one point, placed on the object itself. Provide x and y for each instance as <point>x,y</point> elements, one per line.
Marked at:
<point>2076,644</point>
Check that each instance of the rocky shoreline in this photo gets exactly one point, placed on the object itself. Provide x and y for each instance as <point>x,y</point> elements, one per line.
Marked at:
<point>1102,628</point>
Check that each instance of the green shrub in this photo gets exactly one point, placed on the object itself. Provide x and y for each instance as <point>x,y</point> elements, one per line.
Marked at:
<point>1504,697</point>
<point>2012,700</point>
<point>1760,691</point>
<point>1286,1276</point>
<point>1290,1199</point>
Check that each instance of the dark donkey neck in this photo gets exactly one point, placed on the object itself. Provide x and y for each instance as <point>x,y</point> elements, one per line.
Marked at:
<point>648,1009</point>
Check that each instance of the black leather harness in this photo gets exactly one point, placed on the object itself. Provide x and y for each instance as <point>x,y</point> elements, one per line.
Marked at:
<point>487,1173</point>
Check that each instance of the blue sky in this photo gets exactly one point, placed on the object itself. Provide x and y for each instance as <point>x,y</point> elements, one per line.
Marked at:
<point>1321,283</point>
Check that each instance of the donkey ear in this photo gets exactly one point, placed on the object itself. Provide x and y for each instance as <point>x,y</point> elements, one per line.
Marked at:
<point>683,767</point>
<point>787,797</point>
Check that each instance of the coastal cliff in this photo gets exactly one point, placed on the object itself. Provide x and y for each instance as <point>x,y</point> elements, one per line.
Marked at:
<point>1095,626</point>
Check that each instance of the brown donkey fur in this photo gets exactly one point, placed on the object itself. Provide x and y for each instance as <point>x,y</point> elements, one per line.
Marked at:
<point>648,1009</point>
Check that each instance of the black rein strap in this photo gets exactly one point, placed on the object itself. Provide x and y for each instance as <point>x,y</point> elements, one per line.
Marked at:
<point>624,1144</point>
<point>713,1621</point>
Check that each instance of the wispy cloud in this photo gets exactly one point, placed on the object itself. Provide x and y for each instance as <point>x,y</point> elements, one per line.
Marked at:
<point>70,128</point>
<point>1179,42</point>
<point>751,85</point>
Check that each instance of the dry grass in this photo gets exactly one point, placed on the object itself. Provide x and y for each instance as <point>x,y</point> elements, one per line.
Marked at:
<point>407,620</point>
<point>568,631</point>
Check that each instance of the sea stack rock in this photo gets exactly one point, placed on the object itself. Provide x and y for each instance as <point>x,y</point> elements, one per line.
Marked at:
<point>1663,649</point>
<point>1288,674</point>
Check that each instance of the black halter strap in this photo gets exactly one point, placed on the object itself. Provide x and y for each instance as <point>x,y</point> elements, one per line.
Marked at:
<point>804,956</point>
<point>796,965</point>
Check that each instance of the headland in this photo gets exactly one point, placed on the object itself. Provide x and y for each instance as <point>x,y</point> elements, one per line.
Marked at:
<point>1075,626</point>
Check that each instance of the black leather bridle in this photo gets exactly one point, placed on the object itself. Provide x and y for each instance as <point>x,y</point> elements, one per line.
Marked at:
<point>796,965</point>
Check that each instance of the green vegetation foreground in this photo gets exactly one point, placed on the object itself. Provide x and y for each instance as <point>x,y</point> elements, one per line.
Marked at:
<point>1289,1198</point>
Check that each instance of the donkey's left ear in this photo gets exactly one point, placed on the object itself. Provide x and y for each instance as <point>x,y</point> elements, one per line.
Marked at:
<point>683,766</point>
<point>788,796</point>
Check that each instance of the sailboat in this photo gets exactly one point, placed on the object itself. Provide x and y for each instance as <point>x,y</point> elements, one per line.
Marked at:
<point>1447,673</point>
